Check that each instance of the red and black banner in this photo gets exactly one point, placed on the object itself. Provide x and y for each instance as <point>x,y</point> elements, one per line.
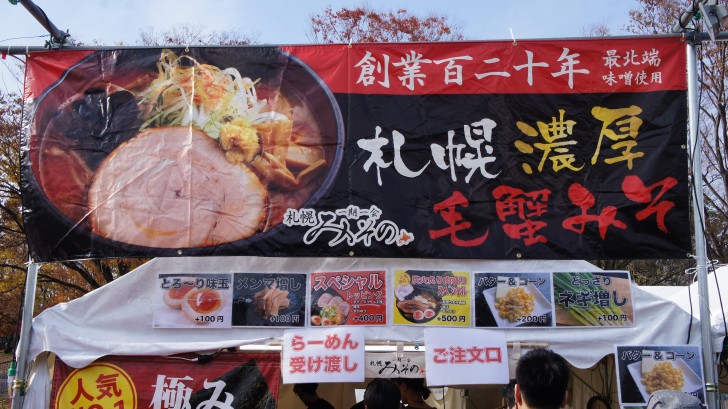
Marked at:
<point>230,380</point>
<point>535,149</point>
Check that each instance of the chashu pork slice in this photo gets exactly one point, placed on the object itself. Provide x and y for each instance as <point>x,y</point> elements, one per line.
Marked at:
<point>172,187</point>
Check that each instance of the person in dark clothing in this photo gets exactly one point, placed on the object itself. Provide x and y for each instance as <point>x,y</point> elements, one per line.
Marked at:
<point>382,394</point>
<point>542,379</point>
<point>509,397</point>
<point>307,393</point>
<point>414,392</point>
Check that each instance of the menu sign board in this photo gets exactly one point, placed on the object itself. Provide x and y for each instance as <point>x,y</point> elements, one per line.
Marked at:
<point>543,299</point>
<point>348,298</point>
<point>644,369</point>
<point>212,300</point>
<point>508,300</point>
<point>263,300</point>
<point>193,300</point>
<point>599,299</point>
<point>431,298</point>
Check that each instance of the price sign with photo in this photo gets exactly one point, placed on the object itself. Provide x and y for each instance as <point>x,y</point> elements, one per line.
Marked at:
<point>262,300</point>
<point>431,298</point>
<point>513,300</point>
<point>192,301</point>
<point>348,298</point>
<point>644,369</point>
<point>598,299</point>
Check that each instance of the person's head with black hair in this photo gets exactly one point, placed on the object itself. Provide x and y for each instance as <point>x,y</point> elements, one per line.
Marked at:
<point>308,395</point>
<point>414,392</point>
<point>382,394</point>
<point>542,377</point>
<point>509,396</point>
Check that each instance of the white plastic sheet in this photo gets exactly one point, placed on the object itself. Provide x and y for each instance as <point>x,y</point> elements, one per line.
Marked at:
<point>117,318</point>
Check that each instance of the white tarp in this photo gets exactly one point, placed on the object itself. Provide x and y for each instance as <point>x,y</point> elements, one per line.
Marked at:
<point>117,318</point>
<point>688,299</point>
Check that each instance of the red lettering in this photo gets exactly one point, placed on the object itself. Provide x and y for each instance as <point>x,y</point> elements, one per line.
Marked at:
<point>297,343</point>
<point>635,190</point>
<point>454,219</point>
<point>584,199</point>
<point>516,205</point>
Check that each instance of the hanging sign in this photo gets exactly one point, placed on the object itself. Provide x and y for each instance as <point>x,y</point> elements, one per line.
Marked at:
<point>229,380</point>
<point>395,365</point>
<point>470,150</point>
<point>642,370</point>
<point>431,298</point>
<point>323,355</point>
<point>348,298</point>
<point>465,357</point>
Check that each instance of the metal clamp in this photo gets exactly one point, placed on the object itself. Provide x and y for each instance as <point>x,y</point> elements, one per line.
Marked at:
<point>19,385</point>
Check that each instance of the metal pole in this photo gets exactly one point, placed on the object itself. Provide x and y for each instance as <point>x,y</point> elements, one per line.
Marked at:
<point>711,377</point>
<point>24,343</point>
<point>58,37</point>
<point>686,17</point>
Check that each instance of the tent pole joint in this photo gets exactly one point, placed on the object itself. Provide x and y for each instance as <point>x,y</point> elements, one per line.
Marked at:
<point>57,43</point>
<point>694,37</point>
<point>19,386</point>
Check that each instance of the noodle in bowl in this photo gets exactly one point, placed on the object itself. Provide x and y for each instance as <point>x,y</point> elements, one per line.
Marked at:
<point>281,146</point>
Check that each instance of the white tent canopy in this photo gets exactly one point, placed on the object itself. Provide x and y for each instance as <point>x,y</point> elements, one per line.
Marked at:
<point>688,299</point>
<point>117,318</point>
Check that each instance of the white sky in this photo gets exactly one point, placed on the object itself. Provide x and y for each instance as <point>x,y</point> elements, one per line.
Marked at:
<point>111,21</point>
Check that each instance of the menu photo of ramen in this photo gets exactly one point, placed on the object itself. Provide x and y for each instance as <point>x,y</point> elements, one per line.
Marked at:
<point>434,298</point>
<point>348,298</point>
<point>149,152</point>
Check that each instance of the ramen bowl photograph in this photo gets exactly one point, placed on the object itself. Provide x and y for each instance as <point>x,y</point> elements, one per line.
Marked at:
<point>183,150</point>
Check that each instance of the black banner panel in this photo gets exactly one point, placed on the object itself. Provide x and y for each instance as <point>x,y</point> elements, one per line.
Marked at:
<point>484,150</point>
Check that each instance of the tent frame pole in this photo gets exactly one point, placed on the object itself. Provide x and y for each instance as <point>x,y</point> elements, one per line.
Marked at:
<point>701,258</point>
<point>31,279</point>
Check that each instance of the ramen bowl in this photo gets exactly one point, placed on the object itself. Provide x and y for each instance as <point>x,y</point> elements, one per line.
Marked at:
<point>87,126</point>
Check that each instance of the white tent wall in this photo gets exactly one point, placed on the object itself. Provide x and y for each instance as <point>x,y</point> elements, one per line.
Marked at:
<point>688,299</point>
<point>117,318</point>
